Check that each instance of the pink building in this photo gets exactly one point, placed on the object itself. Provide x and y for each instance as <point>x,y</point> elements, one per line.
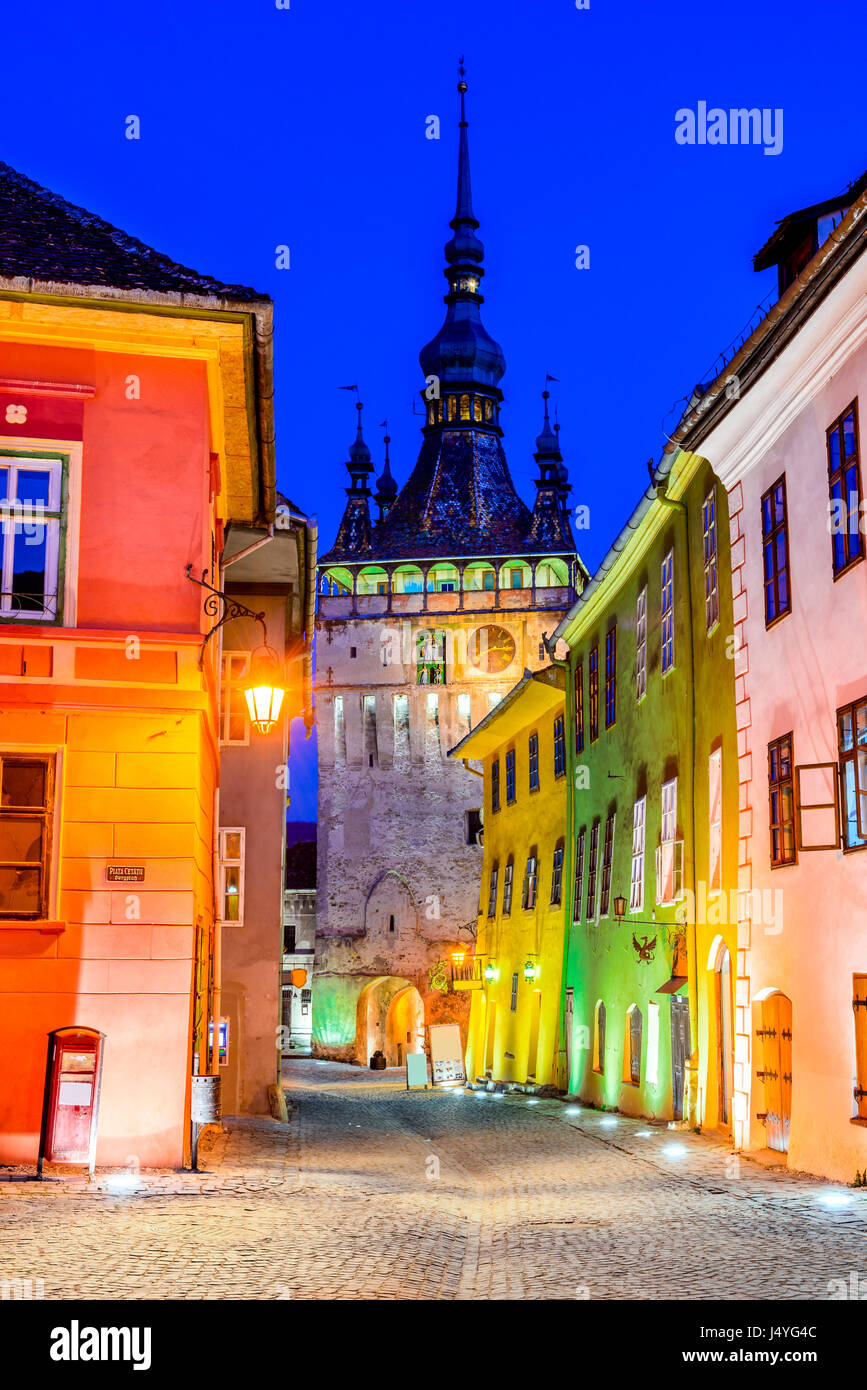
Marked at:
<point>780,426</point>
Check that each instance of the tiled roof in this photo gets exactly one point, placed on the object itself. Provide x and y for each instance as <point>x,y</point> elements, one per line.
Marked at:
<point>47,239</point>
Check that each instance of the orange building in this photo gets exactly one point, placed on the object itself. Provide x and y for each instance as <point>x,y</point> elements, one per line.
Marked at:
<point>135,424</point>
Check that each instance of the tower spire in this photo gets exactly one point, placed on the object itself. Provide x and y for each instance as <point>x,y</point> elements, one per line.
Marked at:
<point>386,487</point>
<point>463,358</point>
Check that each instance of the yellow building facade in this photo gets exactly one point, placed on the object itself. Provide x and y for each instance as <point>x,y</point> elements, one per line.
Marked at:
<point>515,975</point>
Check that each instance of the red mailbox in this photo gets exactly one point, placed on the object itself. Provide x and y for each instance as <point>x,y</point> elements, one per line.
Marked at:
<point>70,1111</point>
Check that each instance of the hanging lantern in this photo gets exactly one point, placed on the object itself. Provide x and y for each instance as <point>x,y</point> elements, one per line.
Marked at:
<point>264,689</point>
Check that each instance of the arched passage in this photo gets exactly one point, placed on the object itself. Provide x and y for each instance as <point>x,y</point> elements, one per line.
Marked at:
<point>382,1020</point>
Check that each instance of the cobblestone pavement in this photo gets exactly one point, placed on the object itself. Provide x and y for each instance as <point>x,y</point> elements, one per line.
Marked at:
<point>373,1192</point>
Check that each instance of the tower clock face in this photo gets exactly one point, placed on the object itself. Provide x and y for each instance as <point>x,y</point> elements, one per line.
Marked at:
<point>491,649</point>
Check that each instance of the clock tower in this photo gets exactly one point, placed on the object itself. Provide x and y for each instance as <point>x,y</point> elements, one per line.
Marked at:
<point>427,617</point>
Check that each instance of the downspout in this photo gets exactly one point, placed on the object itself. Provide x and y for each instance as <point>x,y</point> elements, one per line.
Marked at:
<point>569,896</point>
<point>309,623</point>
<point>692,929</point>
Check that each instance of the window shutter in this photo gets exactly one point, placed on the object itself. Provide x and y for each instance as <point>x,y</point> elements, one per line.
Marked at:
<point>819,780</point>
<point>859,1006</point>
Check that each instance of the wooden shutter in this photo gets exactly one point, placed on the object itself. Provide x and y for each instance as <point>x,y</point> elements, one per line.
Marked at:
<point>820,779</point>
<point>859,1007</point>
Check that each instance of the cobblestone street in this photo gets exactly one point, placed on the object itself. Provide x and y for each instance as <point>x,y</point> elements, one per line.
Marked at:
<point>371,1192</point>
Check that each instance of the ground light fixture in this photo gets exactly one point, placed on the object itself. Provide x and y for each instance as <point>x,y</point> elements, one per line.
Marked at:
<point>266,684</point>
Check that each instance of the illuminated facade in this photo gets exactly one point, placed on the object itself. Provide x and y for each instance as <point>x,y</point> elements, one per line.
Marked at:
<point>134,428</point>
<point>782,427</point>
<point>651,826</point>
<point>514,977</point>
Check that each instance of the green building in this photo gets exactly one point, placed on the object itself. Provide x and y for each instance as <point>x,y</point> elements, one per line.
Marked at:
<point>652,817</point>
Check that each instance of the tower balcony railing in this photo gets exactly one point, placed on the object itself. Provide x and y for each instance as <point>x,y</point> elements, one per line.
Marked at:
<point>559,596</point>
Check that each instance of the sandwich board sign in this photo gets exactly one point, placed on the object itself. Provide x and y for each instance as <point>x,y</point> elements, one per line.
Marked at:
<point>446,1054</point>
<point>416,1070</point>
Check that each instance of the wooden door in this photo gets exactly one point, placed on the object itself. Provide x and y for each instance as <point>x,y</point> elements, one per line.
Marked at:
<point>775,1072</point>
<point>492,1028</point>
<point>533,1040</point>
<point>680,1051</point>
<point>724,1037</point>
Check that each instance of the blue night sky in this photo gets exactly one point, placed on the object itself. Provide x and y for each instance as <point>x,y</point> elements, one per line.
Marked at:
<point>306,127</point>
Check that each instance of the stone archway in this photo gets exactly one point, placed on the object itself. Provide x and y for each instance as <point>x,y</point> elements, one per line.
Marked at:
<point>377,1022</point>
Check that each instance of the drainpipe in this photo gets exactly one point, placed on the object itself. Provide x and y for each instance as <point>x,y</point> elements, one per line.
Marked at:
<point>692,929</point>
<point>248,549</point>
<point>569,896</point>
<point>309,621</point>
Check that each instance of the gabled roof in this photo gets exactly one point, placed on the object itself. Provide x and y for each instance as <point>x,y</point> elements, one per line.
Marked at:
<point>46,239</point>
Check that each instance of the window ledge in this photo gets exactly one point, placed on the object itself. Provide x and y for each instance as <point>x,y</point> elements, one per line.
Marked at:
<point>40,925</point>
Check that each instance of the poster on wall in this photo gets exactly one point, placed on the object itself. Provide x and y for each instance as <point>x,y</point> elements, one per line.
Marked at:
<point>446,1054</point>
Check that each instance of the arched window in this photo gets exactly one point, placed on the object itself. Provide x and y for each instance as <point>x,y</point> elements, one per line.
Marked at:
<point>632,1047</point>
<point>465,407</point>
<point>599,1038</point>
<point>452,407</point>
<point>489,410</point>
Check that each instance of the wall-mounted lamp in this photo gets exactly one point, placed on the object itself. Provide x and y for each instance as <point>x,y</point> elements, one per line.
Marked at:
<point>490,971</point>
<point>531,970</point>
<point>265,685</point>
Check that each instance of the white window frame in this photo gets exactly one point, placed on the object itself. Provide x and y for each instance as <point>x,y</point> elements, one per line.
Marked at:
<point>639,828</point>
<point>666,618</point>
<point>711,560</point>
<point>714,866</point>
<point>15,521</point>
<point>229,683</point>
<point>669,852</point>
<point>224,862</point>
<point>641,645</point>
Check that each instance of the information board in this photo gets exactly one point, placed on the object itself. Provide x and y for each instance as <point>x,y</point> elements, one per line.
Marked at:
<point>446,1053</point>
<point>416,1070</point>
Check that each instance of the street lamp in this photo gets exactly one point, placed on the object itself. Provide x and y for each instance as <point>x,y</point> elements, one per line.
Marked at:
<point>264,689</point>
<point>265,686</point>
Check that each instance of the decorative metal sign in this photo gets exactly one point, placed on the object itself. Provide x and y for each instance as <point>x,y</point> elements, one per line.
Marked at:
<point>124,873</point>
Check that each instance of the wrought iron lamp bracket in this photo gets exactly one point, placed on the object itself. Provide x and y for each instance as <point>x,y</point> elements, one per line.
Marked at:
<point>222,607</point>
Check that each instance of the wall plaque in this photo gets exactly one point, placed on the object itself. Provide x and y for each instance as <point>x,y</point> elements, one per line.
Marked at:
<point>124,873</point>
